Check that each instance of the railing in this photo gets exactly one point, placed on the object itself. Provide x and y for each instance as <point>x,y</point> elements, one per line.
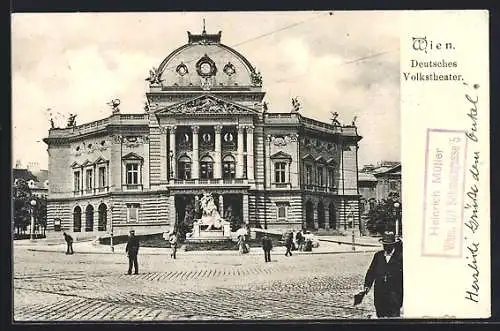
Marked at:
<point>132,187</point>
<point>211,181</point>
<point>317,188</point>
<point>83,128</point>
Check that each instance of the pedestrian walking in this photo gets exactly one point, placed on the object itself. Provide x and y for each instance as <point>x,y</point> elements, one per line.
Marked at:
<point>173,245</point>
<point>69,243</point>
<point>267,245</point>
<point>386,271</point>
<point>289,243</point>
<point>132,250</point>
<point>300,240</point>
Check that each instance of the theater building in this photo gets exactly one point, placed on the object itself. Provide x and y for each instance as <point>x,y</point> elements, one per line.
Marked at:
<point>205,128</point>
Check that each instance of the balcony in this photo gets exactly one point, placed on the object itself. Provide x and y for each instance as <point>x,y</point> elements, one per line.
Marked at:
<point>317,188</point>
<point>209,182</point>
<point>131,187</point>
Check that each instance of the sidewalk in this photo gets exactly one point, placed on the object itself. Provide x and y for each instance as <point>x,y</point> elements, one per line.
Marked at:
<point>90,247</point>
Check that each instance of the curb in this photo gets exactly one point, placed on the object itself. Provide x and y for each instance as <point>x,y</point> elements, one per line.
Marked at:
<point>197,252</point>
<point>349,243</point>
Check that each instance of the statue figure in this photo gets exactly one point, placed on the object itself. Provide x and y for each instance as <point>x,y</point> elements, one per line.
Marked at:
<point>114,106</point>
<point>295,104</point>
<point>52,125</point>
<point>147,107</point>
<point>334,120</point>
<point>71,121</point>
<point>354,120</point>
<point>210,215</point>
<point>256,78</point>
<point>264,106</point>
<point>154,76</point>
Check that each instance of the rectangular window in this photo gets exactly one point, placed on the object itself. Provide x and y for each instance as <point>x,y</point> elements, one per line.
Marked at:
<point>88,181</point>
<point>320,176</point>
<point>132,174</point>
<point>280,172</point>
<point>102,177</point>
<point>133,212</point>
<point>308,175</point>
<point>330,178</point>
<point>281,209</point>
<point>77,180</point>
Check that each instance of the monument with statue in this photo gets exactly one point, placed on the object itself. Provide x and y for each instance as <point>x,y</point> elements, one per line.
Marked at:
<point>211,226</point>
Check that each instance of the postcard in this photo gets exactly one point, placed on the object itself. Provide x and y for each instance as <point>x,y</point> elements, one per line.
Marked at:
<point>194,166</point>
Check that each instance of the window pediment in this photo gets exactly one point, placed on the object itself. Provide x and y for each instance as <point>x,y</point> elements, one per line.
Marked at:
<point>320,159</point>
<point>282,156</point>
<point>132,157</point>
<point>87,163</point>
<point>308,157</point>
<point>75,165</point>
<point>100,160</point>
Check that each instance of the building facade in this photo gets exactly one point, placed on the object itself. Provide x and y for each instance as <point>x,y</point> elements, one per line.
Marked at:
<point>205,128</point>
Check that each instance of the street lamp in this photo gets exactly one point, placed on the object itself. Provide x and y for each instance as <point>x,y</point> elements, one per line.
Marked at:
<point>396,208</point>
<point>32,229</point>
<point>111,231</point>
<point>171,154</point>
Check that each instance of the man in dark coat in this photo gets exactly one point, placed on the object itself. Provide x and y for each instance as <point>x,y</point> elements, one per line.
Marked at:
<point>289,243</point>
<point>267,245</point>
<point>69,243</point>
<point>386,271</point>
<point>132,250</point>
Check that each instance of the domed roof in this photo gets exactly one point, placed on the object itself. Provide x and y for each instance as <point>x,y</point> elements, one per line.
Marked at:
<point>204,62</point>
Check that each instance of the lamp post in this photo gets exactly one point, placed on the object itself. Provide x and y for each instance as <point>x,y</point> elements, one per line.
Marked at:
<point>396,208</point>
<point>111,231</point>
<point>171,169</point>
<point>32,228</point>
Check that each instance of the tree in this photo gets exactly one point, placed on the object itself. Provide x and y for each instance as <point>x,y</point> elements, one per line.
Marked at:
<point>383,216</point>
<point>41,213</point>
<point>21,205</point>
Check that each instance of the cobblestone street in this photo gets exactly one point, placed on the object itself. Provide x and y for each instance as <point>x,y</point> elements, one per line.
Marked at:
<point>55,286</point>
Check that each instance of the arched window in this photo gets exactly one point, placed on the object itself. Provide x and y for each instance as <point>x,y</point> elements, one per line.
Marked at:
<point>206,167</point>
<point>77,219</point>
<point>89,219</point>
<point>103,212</point>
<point>228,167</point>
<point>184,167</point>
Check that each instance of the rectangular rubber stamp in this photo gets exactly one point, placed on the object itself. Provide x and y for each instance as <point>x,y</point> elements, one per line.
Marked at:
<point>443,193</point>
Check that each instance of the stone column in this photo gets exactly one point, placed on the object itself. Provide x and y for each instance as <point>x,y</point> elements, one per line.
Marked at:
<point>245,208</point>
<point>171,210</point>
<point>196,162</point>
<point>218,154</point>
<point>171,153</point>
<point>239,161</point>
<point>250,164</point>
<point>221,205</point>
<point>315,213</point>
<point>164,154</point>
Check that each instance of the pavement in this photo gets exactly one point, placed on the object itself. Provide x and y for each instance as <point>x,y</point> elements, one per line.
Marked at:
<point>328,245</point>
<point>199,286</point>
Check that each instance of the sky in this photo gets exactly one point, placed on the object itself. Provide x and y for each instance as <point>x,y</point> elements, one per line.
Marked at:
<point>346,62</point>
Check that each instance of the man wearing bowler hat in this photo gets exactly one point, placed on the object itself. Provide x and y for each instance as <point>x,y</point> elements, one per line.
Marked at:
<point>386,271</point>
<point>132,250</point>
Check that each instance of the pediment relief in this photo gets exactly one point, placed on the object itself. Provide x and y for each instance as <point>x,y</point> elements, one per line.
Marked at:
<point>281,155</point>
<point>207,105</point>
<point>100,160</point>
<point>132,156</point>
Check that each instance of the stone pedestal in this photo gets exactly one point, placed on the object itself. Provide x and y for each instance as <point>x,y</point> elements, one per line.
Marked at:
<point>202,234</point>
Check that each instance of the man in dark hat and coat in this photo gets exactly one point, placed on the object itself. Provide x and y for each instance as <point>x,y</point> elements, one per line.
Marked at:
<point>267,245</point>
<point>386,271</point>
<point>132,249</point>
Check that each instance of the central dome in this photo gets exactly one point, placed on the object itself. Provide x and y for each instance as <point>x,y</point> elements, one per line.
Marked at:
<point>205,62</point>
